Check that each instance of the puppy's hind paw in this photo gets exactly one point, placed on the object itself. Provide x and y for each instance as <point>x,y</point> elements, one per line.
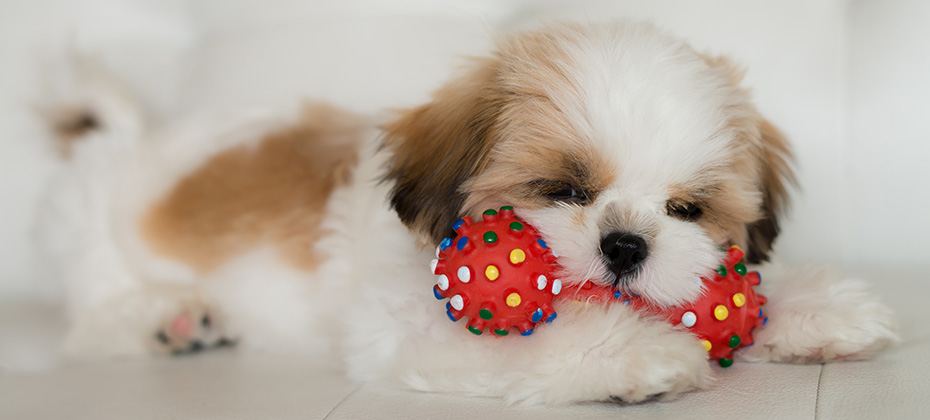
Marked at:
<point>194,328</point>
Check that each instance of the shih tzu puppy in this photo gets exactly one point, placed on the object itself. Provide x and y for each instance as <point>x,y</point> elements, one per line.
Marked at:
<point>309,230</point>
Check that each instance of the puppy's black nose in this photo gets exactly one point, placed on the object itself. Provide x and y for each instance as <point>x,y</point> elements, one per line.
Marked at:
<point>624,252</point>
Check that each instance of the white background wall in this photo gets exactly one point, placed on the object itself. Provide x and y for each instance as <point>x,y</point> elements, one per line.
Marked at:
<point>846,80</point>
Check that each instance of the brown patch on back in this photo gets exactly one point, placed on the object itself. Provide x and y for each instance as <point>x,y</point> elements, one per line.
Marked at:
<point>274,191</point>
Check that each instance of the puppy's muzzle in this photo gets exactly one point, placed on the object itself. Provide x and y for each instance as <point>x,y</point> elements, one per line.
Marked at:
<point>624,252</point>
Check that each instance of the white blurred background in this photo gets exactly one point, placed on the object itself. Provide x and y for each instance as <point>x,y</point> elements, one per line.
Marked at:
<point>847,80</point>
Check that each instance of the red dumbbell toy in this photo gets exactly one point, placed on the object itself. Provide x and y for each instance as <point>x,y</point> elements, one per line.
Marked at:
<point>498,273</point>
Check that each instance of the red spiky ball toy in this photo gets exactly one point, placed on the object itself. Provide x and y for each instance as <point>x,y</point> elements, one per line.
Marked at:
<point>498,273</point>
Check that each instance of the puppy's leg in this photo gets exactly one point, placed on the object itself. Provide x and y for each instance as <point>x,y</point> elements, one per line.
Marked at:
<point>816,315</point>
<point>589,354</point>
<point>162,319</point>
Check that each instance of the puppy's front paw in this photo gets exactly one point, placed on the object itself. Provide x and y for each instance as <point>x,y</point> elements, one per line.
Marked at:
<point>195,327</point>
<point>841,321</point>
<point>673,364</point>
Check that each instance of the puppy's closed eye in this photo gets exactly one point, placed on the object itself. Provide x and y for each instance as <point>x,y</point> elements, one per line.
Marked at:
<point>683,210</point>
<point>561,191</point>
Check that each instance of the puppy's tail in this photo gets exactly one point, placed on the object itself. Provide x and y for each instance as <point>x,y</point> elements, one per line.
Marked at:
<point>79,101</point>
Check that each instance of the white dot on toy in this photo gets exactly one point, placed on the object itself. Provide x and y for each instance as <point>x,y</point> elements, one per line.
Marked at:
<point>688,319</point>
<point>443,282</point>
<point>541,282</point>
<point>432,265</point>
<point>457,302</point>
<point>463,274</point>
<point>556,286</point>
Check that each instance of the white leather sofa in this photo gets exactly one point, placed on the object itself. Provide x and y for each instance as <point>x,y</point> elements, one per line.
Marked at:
<point>845,79</point>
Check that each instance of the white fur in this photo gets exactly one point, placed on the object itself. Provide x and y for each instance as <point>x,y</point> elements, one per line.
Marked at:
<point>371,301</point>
<point>817,315</point>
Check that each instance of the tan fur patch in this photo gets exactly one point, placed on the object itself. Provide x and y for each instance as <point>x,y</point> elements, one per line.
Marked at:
<point>538,147</point>
<point>274,191</point>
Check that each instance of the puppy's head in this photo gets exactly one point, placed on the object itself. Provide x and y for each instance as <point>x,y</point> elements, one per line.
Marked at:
<point>636,157</point>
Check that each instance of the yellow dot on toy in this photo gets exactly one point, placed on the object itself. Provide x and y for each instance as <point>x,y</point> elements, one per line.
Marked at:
<point>707,345</point>
<point>513,299</point>
<point>491,273</point>
<point>739,300</point>
<point>721,312</point>
<point>517,256</point>
<point>737,247</point>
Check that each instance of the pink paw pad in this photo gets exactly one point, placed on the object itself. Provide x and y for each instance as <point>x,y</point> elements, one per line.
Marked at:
<point>182,326</point>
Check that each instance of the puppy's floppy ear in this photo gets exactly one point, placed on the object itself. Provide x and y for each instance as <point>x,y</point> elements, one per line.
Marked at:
<point>440,145</point>
<point>772,156</point>
<point>775,174</point>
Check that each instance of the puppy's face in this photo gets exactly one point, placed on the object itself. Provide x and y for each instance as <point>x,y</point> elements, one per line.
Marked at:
<point>635,157</point>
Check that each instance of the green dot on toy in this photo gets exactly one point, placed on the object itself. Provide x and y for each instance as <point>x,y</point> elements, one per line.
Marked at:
<point>501,332</point>
<point>490,237</point>
<point>486,314</point>
<point>734,341</point>
<point>476,331</point>
<point>740,269</point>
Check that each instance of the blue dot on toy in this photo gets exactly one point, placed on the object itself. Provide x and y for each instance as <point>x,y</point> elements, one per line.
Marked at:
<point>537,315</point>
<point>457,224</point>
<point>461,243</point>
<point>765,320</point>
<point>542,243</point>
<point>616,294</point>
<point>527,332</point>
<point>626,302</point>
<point>437,295</point>
<point>446,242</point>
<point>449,314</point>
<point>551,318</point>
